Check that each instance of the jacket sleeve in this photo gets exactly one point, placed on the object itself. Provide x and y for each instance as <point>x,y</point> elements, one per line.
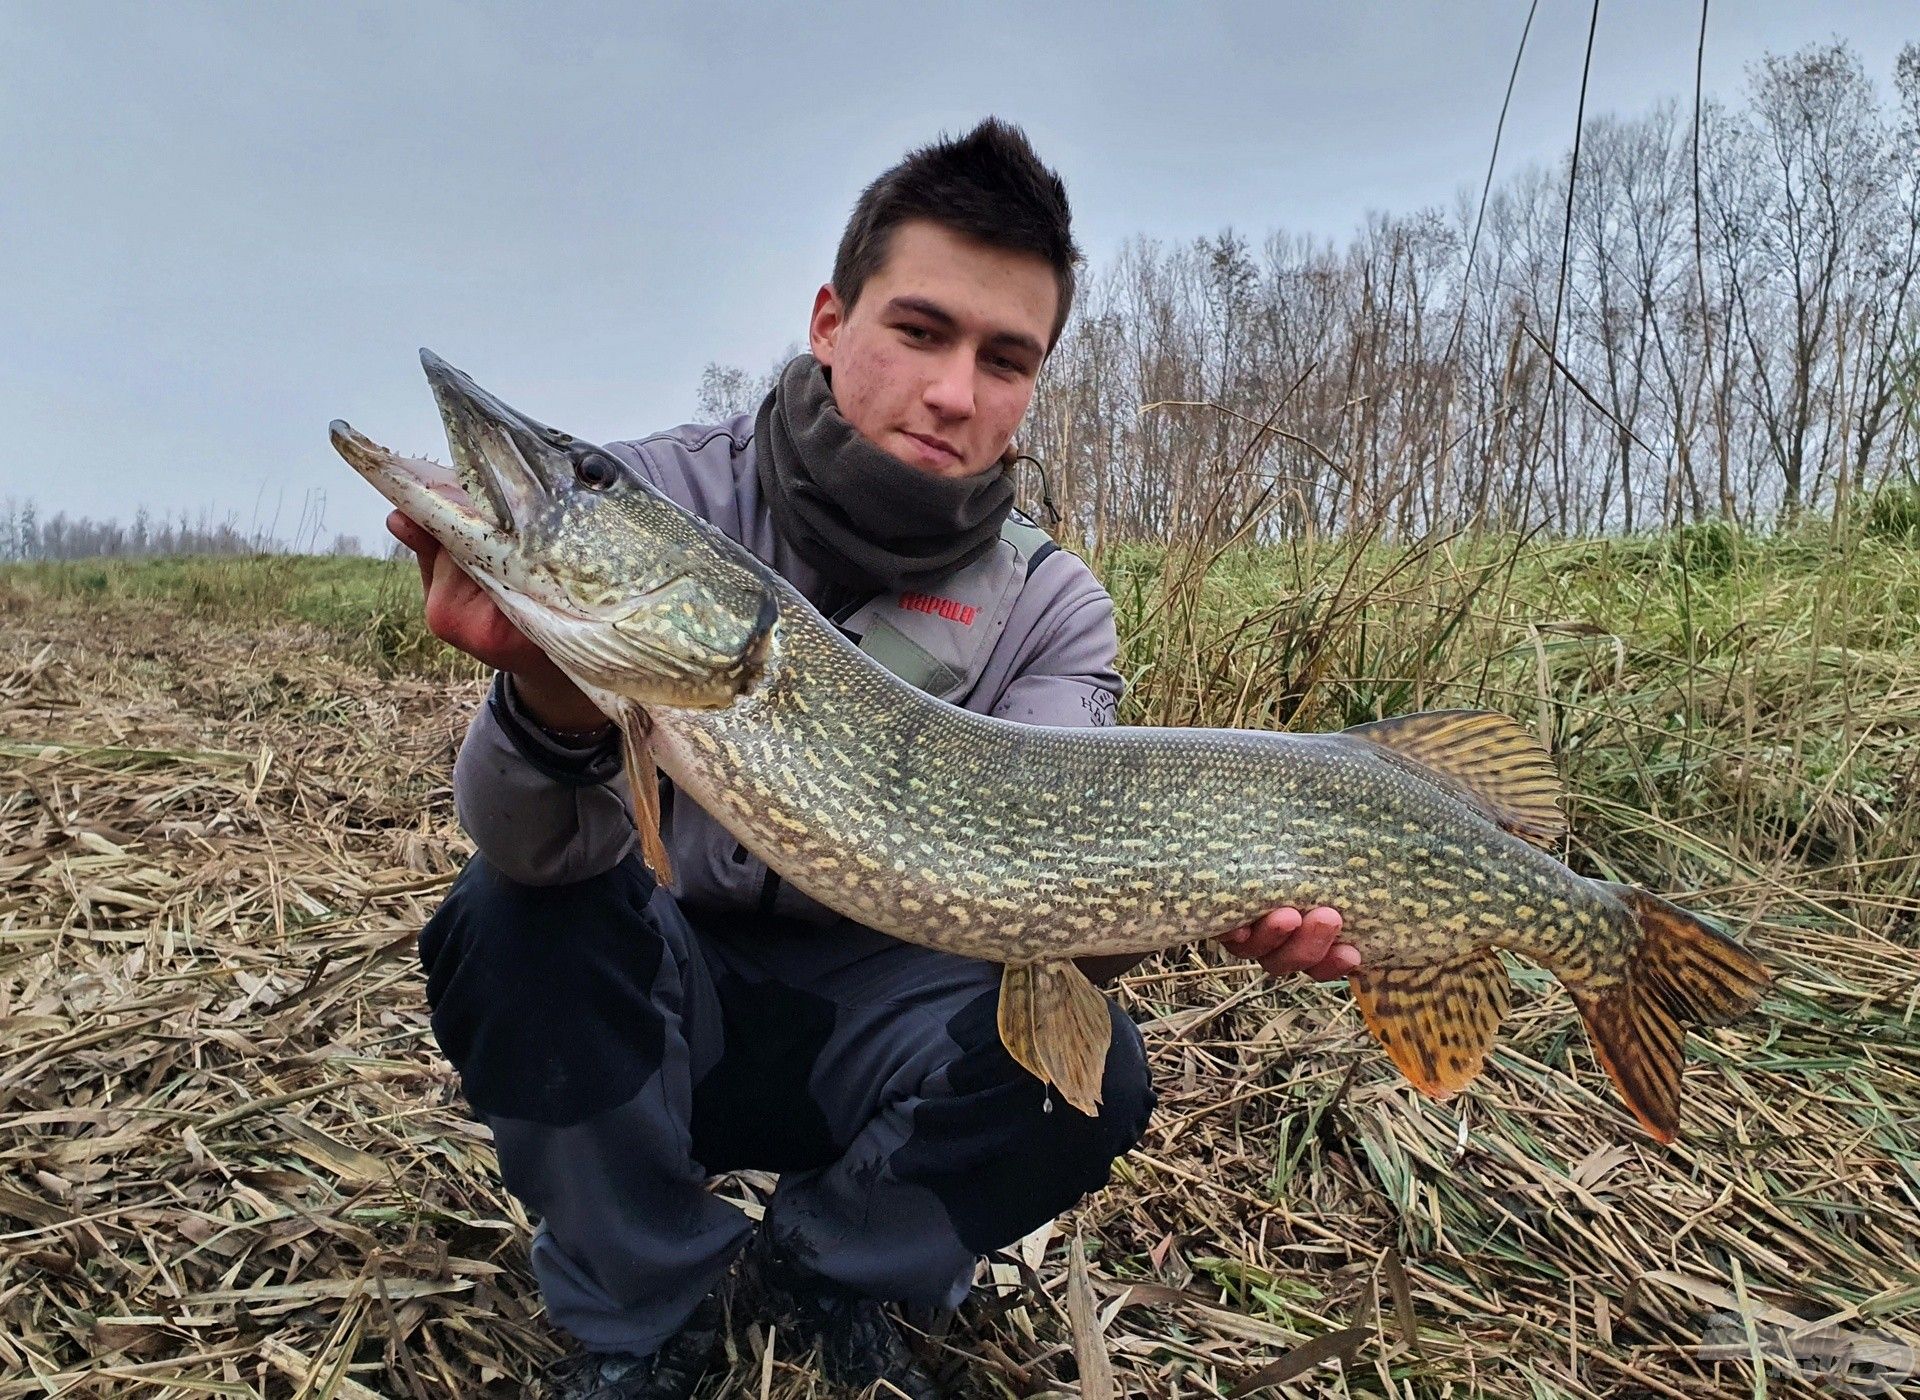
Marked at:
<point>541,812</point>
<point>1066,674</point>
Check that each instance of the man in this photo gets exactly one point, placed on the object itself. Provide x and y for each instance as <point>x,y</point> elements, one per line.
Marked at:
<point>626,1042</point>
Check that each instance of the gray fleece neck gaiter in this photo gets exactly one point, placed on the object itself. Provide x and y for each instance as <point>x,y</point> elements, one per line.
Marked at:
<point>860,515</point>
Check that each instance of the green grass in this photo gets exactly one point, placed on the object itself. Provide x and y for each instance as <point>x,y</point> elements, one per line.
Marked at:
<point>370,608</point>
<point>1726,706</point>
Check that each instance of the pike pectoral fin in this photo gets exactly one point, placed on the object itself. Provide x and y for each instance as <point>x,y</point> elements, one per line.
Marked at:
<point>1682,973</point>
<point>643,779</point>
<point>1055,1023</point>
<point>1491,759</point>
<point>1436,1020</point>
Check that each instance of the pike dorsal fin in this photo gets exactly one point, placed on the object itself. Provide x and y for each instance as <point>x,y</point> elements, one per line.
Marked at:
<point>1490,759</point>
<point>1436,1020</point>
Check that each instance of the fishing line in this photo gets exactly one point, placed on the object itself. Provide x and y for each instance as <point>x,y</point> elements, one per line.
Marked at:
<point>1486,186</point>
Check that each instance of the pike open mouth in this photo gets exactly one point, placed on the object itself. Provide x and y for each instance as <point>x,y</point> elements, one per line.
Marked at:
<point>506,467</point>
<point>507,460</point>
<point>409,482</point>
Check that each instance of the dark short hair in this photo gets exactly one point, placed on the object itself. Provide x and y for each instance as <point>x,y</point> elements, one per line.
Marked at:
<point>987,185</point>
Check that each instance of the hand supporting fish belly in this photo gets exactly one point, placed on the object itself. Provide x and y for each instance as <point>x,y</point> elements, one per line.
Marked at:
<point>1031,847</point>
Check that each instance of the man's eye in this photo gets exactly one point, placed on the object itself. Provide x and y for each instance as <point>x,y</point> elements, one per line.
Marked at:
<point>916,332</point>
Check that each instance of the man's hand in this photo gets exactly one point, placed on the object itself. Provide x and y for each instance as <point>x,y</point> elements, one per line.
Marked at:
<point>1286,941</point>
<point>461,614</point>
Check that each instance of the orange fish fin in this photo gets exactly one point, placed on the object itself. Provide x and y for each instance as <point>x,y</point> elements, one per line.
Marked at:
<point>1055,1023</point>
<point>643,780</point>
<point>1699,974</point>
<point>1436,1020</point>
<point>1638,1045</point>
<point>1490,759</point>
<point>1682,973</point>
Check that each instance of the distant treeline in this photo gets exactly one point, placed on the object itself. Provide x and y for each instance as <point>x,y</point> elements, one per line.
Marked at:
<point>1660,329</point>
<point>1729,336</point>
<point>25,534</point>
<point>1653,350</point>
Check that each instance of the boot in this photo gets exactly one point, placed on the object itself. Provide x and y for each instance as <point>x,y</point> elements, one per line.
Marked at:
<point>671,1373</point>
<point>859,1344</point>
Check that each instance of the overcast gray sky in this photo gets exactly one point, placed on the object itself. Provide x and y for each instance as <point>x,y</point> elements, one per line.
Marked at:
<point>222,225</point>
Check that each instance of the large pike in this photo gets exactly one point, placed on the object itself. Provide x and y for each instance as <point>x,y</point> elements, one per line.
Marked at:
<point>1032,846</point>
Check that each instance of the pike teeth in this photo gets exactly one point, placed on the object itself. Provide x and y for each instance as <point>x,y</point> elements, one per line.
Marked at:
<point>403,480</point>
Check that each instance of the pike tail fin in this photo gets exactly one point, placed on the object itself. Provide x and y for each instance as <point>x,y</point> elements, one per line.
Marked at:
<point>1055,1023</point>
<point>1683,973</point>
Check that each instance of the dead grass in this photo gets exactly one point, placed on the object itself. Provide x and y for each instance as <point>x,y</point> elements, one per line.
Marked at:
<point>232,1161</point>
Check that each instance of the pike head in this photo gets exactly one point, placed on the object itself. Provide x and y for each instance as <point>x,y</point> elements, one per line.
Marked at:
<point>629,594</point>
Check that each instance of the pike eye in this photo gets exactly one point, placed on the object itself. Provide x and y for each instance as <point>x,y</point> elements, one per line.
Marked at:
<point>595,471</point>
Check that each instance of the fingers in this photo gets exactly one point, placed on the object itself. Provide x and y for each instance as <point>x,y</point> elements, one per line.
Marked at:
<point>410,532</point>
<point>1264,935</point>
<point>1281,923</point>
<point>1307,947</point>
<point>458,610</point>
<point>1343,959</point>
<point>458,613</point>
<point>1322,922</point>
<point>1287,941</point>
<point>1243,941</point>
<point>423,545</point>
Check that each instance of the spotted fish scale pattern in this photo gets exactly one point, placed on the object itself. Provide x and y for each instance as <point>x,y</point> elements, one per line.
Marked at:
<point>1033,846</point>
<point>1017,843</point>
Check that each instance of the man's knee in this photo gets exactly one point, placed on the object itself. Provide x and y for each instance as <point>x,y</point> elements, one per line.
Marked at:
<point>1006,1154</point>
<point>1126,1091</point>
<point>1127,1095</point>
<point>543,997</point>
<point>1127,1100</point>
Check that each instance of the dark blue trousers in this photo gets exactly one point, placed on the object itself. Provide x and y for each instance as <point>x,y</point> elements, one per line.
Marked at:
<point>623,1053</point>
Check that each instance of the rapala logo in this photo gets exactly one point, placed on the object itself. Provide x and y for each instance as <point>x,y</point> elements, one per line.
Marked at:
<point>962,613</point>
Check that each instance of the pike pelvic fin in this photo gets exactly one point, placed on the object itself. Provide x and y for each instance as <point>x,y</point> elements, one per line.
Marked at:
<point>643,780</point>
<point>1491,760</point>
<point>1683,973</point>
<point>1435,1020</point>
<point>1055,1023</point>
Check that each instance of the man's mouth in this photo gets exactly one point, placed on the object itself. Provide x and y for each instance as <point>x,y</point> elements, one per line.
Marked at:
<point>937,448</point>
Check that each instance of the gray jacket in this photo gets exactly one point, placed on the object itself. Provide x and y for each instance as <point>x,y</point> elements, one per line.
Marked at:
<point>1039,648</point>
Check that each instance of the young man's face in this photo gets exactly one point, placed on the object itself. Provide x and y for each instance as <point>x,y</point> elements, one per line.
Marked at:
<point>936,362</point>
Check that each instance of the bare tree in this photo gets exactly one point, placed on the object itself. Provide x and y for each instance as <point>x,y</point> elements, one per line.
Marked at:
<point>1766,368</point>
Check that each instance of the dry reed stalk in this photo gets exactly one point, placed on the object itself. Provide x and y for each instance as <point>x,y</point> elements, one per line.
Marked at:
<point>232,1161</point>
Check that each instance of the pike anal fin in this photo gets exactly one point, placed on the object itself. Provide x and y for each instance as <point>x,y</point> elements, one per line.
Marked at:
<point>1055,1023</point>
<point>1683,973</point>
<point>1436,1020</point>
<point>643,780</point>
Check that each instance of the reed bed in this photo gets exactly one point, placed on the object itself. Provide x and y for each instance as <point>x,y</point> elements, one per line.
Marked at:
<point>232,1161</point>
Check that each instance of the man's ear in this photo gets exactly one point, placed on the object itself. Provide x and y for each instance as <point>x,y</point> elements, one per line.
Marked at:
<point>824,328</point>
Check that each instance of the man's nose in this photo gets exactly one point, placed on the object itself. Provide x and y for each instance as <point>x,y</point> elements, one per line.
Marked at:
<point>950,392</point>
